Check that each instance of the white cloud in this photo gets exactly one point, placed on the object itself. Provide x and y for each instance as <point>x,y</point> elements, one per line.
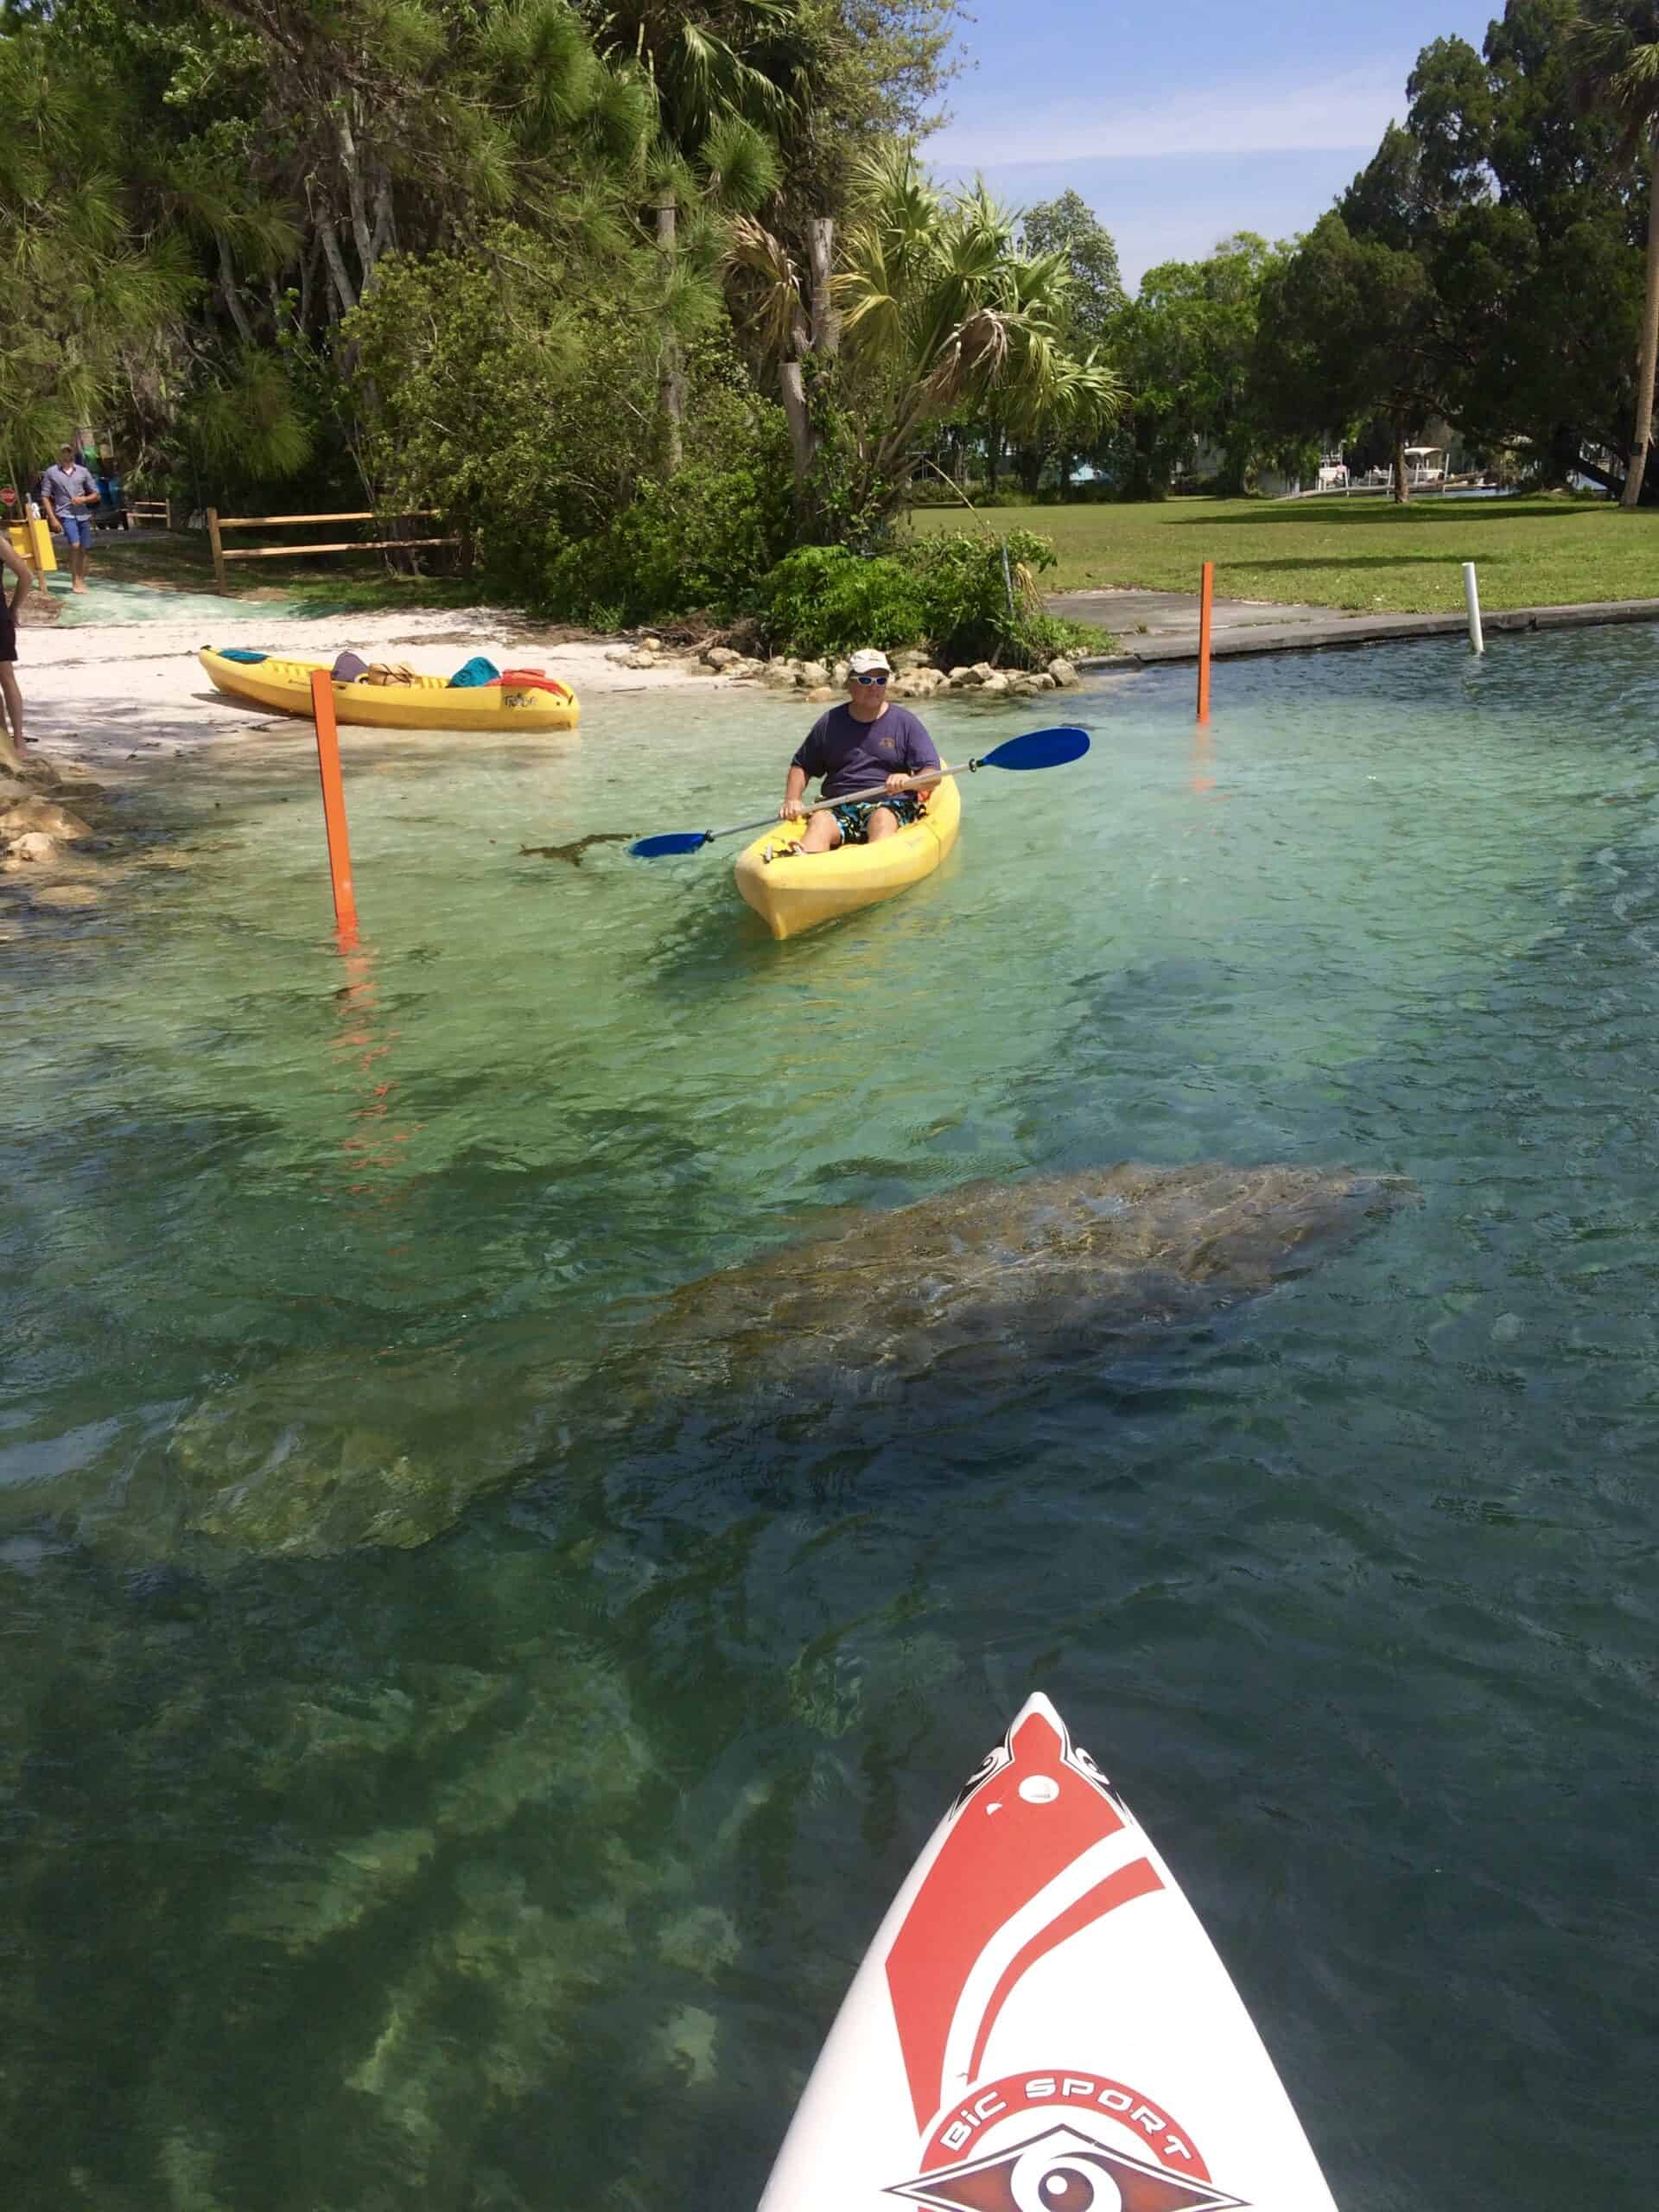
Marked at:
<point>1345,110</point>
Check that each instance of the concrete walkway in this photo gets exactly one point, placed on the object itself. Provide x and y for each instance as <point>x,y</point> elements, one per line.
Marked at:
<point>1163,625</point>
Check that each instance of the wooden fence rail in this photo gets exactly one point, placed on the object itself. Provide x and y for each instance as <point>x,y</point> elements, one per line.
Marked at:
<point>218,523</point>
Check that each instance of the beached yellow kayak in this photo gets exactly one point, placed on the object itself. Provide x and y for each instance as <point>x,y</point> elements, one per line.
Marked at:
<point>794,892</point>
<point>419,702</point>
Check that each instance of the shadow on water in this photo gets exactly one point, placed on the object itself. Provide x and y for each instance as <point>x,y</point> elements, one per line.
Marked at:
<point>712,943</point>
<point>414,1932</point>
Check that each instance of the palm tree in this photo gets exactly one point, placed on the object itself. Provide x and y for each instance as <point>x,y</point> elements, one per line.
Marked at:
<point>734,172</point>
<point>1614,45</point>
<point>724,74</point>
<point>708,62</point>
<point>937,308</point>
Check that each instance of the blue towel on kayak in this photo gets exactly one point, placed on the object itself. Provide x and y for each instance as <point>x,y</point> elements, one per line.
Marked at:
<point>240,652</point>
<point>477,672</point>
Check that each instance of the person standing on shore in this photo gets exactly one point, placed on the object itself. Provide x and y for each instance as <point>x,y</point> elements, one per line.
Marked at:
<point>11,750</point>
<point>70,497</point>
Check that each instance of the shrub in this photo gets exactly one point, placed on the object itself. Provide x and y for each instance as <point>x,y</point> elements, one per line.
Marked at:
<point>566,505</point>
<point>823,599</point>
<point>951,592</point>
<point>982,599</point>
<point>702,540</point>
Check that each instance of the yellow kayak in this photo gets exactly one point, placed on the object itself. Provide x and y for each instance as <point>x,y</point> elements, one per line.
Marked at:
<point>416,702</point>
<point>794,892</point>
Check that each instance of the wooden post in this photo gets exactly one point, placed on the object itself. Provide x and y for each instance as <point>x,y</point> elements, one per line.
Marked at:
<point>333,804</point>
<point>214,540</point>
<point>1206,594</point>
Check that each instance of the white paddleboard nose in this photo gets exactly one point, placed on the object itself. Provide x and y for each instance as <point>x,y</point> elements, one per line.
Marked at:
<point>1040,2012</point>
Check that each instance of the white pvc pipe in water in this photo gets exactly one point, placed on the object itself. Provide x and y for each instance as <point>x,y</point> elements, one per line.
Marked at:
<point>1477,642</point>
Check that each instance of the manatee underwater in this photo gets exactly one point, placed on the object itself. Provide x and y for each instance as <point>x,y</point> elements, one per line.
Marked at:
<point>1010,1271</point>
<point>321,1453</point>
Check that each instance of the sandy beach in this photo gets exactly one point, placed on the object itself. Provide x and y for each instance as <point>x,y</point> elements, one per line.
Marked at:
<point>105,694</point>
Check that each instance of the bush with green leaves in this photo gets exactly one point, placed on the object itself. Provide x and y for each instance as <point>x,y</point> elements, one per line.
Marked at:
<point>825,600</point>
<point>506,400</point>
<point>954,593</point>
<point>566,498</point>
<point>982,599</point>
<point>700,542</point>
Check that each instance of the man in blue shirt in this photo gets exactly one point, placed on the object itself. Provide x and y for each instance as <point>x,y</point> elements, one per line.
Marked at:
<point>868,742</point>
<point>70,497</point>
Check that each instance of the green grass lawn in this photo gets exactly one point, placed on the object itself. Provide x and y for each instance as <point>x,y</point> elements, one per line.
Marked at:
<point>181,561</point>
<point>1366,554</point>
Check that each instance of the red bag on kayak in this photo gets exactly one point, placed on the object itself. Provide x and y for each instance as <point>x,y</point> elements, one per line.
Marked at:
<point>536,679</point>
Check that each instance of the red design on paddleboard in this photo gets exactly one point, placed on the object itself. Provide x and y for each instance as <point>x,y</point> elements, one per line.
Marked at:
<point>1062,2169</point>
<point>1028,1814</point>
<point>988,2103</point>
<point>1135,1880</point>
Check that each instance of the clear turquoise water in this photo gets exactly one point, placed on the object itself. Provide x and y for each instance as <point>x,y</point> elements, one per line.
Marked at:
<point>525,1868</point>
<point>105,601</point>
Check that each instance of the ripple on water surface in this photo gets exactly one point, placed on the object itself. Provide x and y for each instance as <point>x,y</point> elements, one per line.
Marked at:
<point>526,1864</point>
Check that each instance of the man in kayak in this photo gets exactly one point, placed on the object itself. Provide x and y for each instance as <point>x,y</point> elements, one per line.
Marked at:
<point>866,744</point>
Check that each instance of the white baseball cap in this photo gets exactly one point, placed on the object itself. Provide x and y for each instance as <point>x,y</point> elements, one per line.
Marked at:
<point>866,660</point>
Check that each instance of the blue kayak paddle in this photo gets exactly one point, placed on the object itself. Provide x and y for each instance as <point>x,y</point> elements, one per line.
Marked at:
<point>1037,748</point>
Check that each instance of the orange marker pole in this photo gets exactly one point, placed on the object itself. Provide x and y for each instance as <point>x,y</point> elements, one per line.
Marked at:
<point>333,803</point>
<point>1206,596</point>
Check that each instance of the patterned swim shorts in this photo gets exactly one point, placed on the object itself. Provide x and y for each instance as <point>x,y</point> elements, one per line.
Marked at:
<point>854,821</point>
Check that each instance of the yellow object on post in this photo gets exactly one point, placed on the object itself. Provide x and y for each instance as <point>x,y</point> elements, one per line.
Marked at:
<point>40,556</point>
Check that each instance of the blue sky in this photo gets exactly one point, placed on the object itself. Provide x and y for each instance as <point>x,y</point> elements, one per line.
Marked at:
<point>1181,124</point>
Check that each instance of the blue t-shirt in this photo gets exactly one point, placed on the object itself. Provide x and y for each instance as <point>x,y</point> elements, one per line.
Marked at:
<point>61,485</point>
<point>851,755</point>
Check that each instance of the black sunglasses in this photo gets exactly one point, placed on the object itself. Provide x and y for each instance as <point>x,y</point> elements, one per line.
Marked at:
<point>881,677</point>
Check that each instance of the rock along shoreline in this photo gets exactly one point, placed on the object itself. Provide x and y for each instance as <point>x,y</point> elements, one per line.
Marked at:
<point>916,676</point>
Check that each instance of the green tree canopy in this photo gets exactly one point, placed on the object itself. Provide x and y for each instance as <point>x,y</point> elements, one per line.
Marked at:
<point>1612,49</point>
<point>1526,217</point>
<point>1346,333</point>
<point>380,242</point>
<point>1067,227</point>
<point>1070,225</point>
<point>85,287</point>
<point>1186,346</point>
